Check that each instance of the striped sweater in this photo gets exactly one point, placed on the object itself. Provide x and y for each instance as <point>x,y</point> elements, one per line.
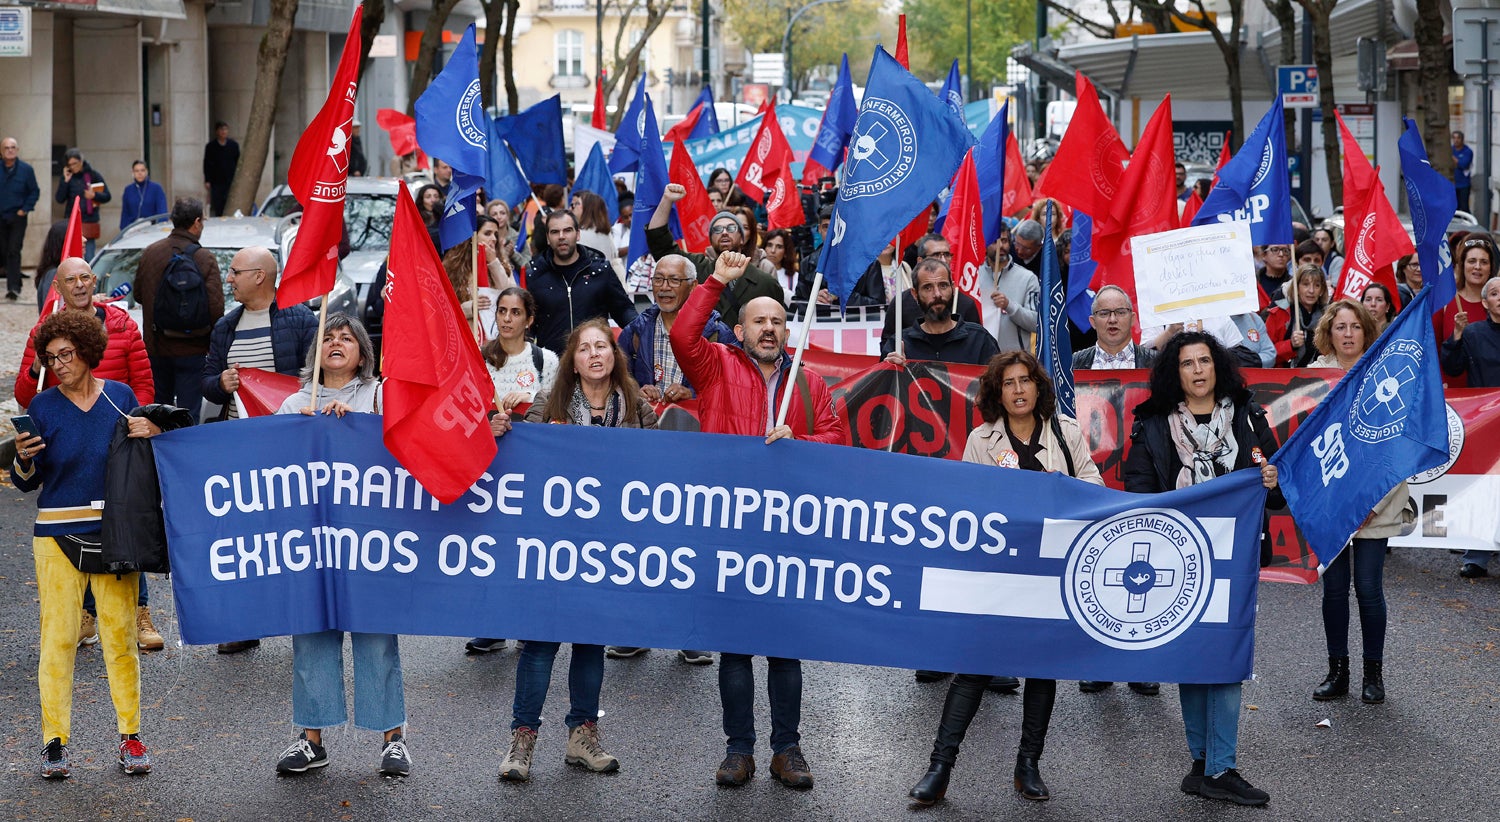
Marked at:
<point>70,470</point>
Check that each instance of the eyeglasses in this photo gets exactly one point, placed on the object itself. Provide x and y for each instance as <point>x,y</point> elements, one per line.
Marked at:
<point>1109,313</point>
<point>63,356</point>
<point>670,281</point>
<point>235,272</point>
<point>78,278</point>
<point>940,255</point>
<point>724,228</point>
<point>1280,251</point>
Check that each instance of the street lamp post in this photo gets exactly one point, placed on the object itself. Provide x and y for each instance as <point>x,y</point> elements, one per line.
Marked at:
<point>786,40</point>
<point>969,49</point>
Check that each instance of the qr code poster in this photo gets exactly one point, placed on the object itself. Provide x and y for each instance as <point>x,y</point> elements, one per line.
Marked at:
<point>1199,141</point>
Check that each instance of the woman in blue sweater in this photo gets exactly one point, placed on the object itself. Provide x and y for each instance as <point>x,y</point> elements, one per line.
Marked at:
<point>75,421</point>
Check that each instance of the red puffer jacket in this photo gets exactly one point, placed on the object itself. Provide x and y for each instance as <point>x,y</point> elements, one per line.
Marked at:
<point>124,359</point>
<point>731,389</point>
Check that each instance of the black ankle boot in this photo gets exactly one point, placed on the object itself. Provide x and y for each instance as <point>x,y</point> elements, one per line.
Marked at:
<point>1029,778</point>
<point>934,784</point>
<point>1336,684</point>
<point>1374,690</point>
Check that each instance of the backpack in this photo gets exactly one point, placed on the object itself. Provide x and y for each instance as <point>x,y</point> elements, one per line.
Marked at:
<point>181,304</point>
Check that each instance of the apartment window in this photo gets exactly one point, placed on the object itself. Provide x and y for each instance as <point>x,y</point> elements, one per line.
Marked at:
<point>569,49</point>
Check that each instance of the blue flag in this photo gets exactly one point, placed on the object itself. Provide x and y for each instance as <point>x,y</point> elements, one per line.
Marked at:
<point>708,121</point>
<point>989,165</point>
<point>1256,185</point>
<point>506,181</point>
<point>904,149</point>
<point>451,121</point>
<point>536,136</point>
<point>1433,202</point>
<point>1054,348</point>
<point>953,92</point>
<point>1382,423</point>
<point>650,181</point>
<point>522,230</point>
<point>594,176</point>
<point>627,153</point>
<point>452,125</point>
<point>838,122</point>
<point>1081,267</point>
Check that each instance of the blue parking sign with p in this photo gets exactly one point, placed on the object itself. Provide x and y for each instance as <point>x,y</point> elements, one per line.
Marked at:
<point>1298,86</point>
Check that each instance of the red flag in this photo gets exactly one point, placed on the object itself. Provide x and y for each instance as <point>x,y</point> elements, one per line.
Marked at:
<point>812,171</point>
<point>73,237</point>
<point>695,211</point>
<point>482,268</point>
<point>317,176</point>
<point>262,392</point>
<point>684,129</point>
<point>1224,156</point>
<point>403,133</point>
<point>1145,203</point>
<point>1190,207</point>
<point>768,168</point>
<point>437,390</point>
<point>964,229</point>
<point>1016,188</point>
<point>597,120</point>
<point>901,43</point>
<point>1090,161</point>
<point>1373,235</point>
<point>915,230</point>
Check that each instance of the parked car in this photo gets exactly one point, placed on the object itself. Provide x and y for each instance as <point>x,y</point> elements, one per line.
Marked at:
<point>115,265</point>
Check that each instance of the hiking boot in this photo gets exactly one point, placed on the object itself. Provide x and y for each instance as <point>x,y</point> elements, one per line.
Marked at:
<point>147,638</point>
<point>88,630</point>
<point>516,767</point>
<point>301,756</point>
<point>134,757</point>
<point>55,760</point>
<point>1232,787</point>
<point>395,760</point>
<point>790,769</point>
<point>696,657</point>
<point>585,751</point>
<point>735,770</point>
<point>483,645</point>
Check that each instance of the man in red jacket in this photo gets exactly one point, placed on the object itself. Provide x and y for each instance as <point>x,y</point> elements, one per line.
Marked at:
<point>739,392</point>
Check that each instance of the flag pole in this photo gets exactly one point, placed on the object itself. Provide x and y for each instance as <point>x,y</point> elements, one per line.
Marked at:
<point>474,285</point>
<point>791,376</point>
<point>900,298</point>
<point>317,373</point>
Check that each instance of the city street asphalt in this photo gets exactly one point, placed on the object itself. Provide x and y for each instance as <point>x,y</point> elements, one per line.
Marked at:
<point>215,725</point>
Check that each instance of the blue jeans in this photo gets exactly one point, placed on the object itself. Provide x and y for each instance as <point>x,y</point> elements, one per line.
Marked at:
<point>88,598</point>
<point>1368,558</point>
<point>737,693</point>
<point>318,681</point>
<point>179,382</point>
<point>1480,558</point>
<point>1211,717</point>
<point>534,676</point>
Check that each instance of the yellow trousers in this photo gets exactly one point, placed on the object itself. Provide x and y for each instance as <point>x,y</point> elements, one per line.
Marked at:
<point>60,587</point>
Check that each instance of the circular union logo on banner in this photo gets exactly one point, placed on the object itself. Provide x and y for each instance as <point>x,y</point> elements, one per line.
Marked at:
<point>1139,578</point>
<point>467,128</point>
<point>882,151</point>
<point>1387,392</point>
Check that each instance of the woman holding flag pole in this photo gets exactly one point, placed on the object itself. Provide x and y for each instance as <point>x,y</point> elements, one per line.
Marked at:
<point>1199,423</point>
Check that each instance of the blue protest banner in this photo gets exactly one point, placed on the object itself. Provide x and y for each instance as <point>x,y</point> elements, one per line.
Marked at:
<point>1433,202</point>
<point>952,92</point>
<point>1385,421</point>
<point>728,148</point>
<point>1256,184</point>
<point>651,181</point>
<point>1054,345</point>
<point>959,567</point>
<point>836,124</point>
<point>989,165</point>
<point>905,147</point>
<point>627,152</point>
<point>1081,267</point>
<point>453,126</point>
<point>505,181</point>
<point>708,121</point>
<point>594,176</point>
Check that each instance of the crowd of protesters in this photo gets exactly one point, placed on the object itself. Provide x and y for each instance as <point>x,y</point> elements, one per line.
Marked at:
<point>714,329</point>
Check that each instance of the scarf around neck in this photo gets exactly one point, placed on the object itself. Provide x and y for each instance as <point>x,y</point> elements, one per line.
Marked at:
<point>1206,450</point>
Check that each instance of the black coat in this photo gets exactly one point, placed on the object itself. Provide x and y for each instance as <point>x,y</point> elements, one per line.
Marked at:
<point>134,533</point>
<point>1152,464</point>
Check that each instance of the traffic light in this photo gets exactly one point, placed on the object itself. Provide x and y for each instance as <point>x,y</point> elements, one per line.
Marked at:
<point>669,77</point>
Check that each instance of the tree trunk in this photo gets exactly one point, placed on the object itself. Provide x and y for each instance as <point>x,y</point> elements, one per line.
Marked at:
<point>1318,13</point>
<point>373,20</point>
<point>432,40</point>
<point>493,12</point>
<point>655,13</point>
<point>1432,85</point>
<point>508,56</point>
<point>1286,20</point>
<point>255,146</point>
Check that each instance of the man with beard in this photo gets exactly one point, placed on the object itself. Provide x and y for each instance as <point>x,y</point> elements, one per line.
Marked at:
<point>739,392</point>
<point>725,233</point>
<point>572,283</point>
<point>940,336</point>
<point>934,247</point>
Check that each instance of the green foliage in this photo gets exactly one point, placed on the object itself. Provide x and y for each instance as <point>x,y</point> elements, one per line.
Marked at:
<point>936,29</point>
<point>823,35</point>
